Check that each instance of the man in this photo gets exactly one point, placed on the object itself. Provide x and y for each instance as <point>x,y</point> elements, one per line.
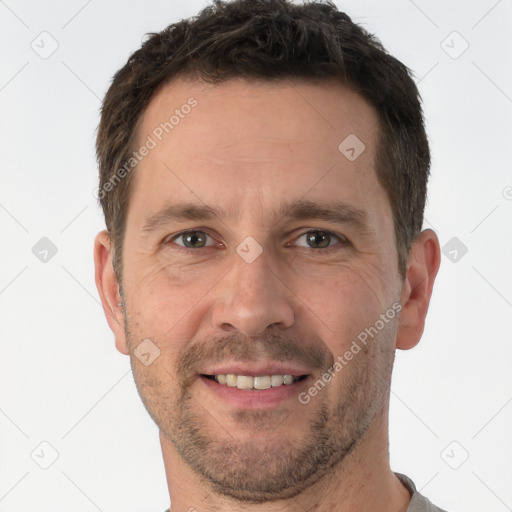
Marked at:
<point>263,172</point>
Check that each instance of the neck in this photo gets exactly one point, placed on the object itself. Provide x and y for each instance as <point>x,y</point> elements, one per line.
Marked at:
<point>362,481</point>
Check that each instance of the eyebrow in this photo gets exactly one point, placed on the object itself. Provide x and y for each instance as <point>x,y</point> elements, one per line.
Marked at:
<point>179,212</point>
<point>337,212</point>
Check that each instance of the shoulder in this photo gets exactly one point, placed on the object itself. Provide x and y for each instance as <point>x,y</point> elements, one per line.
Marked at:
<point>418,502</point>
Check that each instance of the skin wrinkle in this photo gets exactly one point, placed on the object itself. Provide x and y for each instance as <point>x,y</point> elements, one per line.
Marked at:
<point>204,306</point>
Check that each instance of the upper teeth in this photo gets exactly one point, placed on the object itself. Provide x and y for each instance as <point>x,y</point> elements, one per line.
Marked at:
<point>259,382</point>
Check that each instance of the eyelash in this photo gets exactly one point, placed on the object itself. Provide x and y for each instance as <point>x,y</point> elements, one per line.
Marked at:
<point>342,240</point>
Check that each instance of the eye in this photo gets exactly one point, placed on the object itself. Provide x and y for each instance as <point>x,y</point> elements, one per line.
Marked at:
<point>191,239</point>
<point>318,239</point>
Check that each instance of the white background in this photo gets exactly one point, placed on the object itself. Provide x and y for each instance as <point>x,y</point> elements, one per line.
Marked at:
<point>62,380</point>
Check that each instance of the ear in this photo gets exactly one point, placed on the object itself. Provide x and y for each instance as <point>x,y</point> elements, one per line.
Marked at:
<point>424,262</point>
<point>108,288</point>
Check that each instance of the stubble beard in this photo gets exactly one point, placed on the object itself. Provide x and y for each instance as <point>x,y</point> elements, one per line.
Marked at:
<point>260,471</point>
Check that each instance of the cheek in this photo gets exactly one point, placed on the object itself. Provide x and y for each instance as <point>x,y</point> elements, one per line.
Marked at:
<point>162,305</point>
<point>345,303</point>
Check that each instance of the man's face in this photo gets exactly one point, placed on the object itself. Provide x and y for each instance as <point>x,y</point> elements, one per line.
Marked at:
<point>266,158</point>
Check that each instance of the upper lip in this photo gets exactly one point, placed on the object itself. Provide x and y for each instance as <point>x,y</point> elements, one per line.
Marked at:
<point>257,369</point>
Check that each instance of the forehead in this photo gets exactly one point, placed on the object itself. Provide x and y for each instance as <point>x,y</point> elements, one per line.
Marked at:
<point>247,142</point>
<point>285,109</point>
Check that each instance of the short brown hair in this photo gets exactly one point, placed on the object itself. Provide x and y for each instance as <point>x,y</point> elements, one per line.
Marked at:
<point>272,40</point>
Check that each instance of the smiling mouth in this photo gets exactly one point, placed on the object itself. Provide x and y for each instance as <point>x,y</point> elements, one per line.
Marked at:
<point>259,382</point>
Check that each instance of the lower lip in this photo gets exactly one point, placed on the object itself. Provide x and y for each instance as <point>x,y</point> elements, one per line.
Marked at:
<point>245,398</point>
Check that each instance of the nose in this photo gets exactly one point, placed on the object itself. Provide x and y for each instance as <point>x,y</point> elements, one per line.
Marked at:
<point>252,297</point>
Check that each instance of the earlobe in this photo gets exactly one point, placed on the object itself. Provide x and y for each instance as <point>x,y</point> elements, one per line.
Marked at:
<point>422,268</point>
<point>108,288</point>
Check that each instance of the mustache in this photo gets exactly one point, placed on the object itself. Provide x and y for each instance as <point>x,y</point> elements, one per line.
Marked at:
<point>238,347</point>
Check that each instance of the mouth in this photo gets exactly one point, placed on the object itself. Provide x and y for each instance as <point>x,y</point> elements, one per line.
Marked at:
<point>256,389</point>
<point>254,383</point>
